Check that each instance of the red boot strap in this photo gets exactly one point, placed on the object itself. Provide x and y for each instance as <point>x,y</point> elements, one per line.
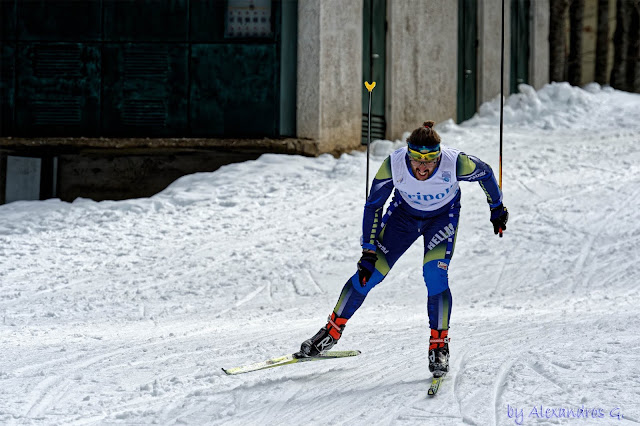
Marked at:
<point>335,326</point>
<point>335,333</point>
<point>334,330</point>
<point>443,340</point>
<point>340,322</point>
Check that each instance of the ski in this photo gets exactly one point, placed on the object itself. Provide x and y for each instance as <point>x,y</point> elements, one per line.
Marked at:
<point>435,385</point>
<point>288,359</point>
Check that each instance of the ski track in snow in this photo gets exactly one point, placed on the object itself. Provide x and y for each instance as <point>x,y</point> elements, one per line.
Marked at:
<point>124,312</point>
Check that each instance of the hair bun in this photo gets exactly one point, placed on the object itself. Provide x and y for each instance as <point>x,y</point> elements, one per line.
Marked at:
<point>429,123</point>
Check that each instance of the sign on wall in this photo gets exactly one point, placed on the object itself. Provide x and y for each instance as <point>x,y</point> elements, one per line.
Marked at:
<point>248,18</point>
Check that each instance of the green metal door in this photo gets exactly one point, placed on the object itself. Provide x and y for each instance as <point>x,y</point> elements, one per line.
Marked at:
<point>233,90</point>
<point>467,50</point>
<point>57,68</point>
<point>145,68</point>
<point>144,89</point>
<point>7,87</point>
<point>373,66</point>
<point>288,67</point>
<point>235,73</point>
<point>148,68</point>
<point>7,68</point>
<point>519,73</point>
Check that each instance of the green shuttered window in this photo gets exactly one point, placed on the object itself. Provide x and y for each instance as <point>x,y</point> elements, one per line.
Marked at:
<point>147,68</point>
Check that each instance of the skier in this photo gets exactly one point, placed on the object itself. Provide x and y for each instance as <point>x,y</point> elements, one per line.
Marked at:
<point>426,202</point>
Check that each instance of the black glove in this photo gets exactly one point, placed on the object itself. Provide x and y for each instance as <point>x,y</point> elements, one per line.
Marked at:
<point>366,266</point>
<point>499,218</point>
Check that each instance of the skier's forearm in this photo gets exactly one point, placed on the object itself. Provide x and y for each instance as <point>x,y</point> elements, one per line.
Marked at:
<point>371,226</point>
<point>492,191</point>
<point>372,217</point>
<point>381,189</point>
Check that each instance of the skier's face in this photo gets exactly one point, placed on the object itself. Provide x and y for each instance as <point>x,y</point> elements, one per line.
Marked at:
<point>423,169</point>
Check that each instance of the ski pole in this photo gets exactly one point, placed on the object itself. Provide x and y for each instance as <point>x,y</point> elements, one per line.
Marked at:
<point>370,89</point>
<point>501,102</point>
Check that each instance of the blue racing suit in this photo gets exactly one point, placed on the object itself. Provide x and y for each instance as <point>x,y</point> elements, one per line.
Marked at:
<point>392,234</point>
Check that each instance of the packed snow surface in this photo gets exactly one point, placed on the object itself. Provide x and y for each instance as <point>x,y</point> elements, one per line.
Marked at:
<point>124,312</point>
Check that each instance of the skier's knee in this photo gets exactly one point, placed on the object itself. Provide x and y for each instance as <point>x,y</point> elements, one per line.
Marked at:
<point>375,279</point>
<point>436,276</point>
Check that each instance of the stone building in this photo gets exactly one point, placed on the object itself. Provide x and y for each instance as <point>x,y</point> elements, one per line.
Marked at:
<point>112,100</point>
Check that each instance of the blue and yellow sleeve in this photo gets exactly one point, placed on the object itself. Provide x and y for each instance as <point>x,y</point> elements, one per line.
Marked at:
<point>472,169</point>
<point>381,189</point>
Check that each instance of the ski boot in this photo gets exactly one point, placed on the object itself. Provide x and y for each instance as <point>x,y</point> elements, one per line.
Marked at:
<point>439,352</point>
<point>324,339</point>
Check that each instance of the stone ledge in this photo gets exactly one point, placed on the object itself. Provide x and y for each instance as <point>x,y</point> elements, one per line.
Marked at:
<point>307,147</point>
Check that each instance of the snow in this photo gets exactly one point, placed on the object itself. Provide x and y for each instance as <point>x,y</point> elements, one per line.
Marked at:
<point>124,312</point>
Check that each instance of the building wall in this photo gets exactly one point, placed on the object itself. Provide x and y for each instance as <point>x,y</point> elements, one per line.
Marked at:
<point>489,39</point>
<point>489,42</point>
<point>539,45</point>
<point>421,73</point>
<point>308,73</point>
<point>589,38</point>
<point>330,73</point>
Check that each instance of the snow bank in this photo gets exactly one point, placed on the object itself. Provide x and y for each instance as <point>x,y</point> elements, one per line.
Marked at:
<point>123,312</point>
<point>555,106</point>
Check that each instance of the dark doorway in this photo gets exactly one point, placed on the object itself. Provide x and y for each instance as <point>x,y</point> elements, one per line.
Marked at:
<point>467,62</point>
<point>519,73</point>
<point>374,30</point>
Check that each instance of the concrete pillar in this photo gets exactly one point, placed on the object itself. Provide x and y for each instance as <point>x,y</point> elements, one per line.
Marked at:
<point>422,57</point>
<point>489,43</point>
<point>329,104</point>
<point>539,45</point>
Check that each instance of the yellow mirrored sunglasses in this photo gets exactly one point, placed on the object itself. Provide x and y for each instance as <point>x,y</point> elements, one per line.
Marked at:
<point>426,157</point>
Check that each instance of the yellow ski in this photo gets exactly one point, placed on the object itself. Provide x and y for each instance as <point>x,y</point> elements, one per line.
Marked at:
<point>435,385</point>
<point>288,359</point>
